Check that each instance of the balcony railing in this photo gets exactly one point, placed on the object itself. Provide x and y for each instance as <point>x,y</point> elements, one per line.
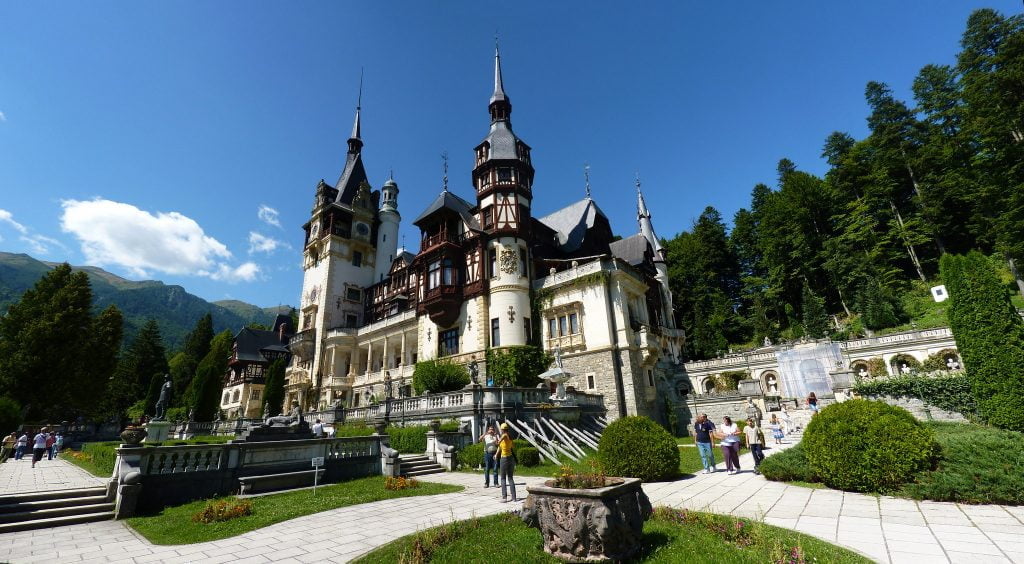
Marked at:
<point>431,241</point>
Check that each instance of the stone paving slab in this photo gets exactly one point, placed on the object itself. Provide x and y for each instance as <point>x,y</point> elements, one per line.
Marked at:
<point>18,476</point>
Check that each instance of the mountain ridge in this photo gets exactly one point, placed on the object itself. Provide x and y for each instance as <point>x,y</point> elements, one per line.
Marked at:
<point>174,308</point>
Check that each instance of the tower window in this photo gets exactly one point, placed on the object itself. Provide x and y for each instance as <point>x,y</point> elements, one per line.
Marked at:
<point>357,258</point>
<point>504,174</point>
<point>527,329</point>
<point>495,332</point>
<point>492,262</point>
<point>488,217</point>
<point>522,262</point>
<point>650,378</point>
<point>448,273</point>
<point>353,295</point>
<point>434,275</point>
<point>590,381</point>
<point>385,237</point>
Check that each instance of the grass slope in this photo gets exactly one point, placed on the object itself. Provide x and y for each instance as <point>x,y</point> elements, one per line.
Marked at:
<point>174,525</point>
<point>505,538</point>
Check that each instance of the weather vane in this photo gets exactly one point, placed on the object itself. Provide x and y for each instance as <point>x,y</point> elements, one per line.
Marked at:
<point>444,180</point>
<point>586,177</point>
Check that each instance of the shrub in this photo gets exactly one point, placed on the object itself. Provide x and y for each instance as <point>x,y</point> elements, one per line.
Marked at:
<point>223,510</point>
<point>411,439</point>
<point>899,360</point>
<point>937,362</point>
<point>789,465</point>
<point>439,376</point>
<point>353,430</point>
<point>10,415</point>
<point>639,448</point>
<point>977,465</point>
<point>528,456</point>
<point>727,381</point>
<point>517,366</point>
<point>471,456</point>
<point>876,367</point>
<point>990,337</point>
<point>946,390</point>
<point>862,445</point>
<point>400,483</point>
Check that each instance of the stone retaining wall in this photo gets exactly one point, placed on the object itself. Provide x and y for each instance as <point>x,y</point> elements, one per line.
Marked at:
<point>917,408</point>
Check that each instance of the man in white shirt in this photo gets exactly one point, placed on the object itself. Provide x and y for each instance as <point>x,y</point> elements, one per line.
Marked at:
<point>318,429</point>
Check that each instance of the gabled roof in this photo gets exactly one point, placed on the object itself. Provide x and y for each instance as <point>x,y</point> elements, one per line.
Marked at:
<point>632,249</point>
<point>572,222</point>
<point>250,342</point>
<point>448,200</point>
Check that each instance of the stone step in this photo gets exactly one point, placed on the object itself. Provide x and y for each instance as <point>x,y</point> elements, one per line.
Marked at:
<point>418,463</point>
<point>423,472</point>
<point>50,504</point>
<point>412,457</point>
<point>55,494</point>
<point>43,514</point>
<point>56,522</point>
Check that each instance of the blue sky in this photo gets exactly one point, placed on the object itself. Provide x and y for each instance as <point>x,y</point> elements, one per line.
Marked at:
<point>148,136</point>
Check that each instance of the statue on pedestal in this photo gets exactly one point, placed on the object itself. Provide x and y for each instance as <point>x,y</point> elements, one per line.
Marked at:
<point>165,399</point>
<point>293,417</point>
<point>753,412</point>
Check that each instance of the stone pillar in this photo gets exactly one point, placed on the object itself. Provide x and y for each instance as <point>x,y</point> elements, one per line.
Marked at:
<point>403,359</point>
<point>369,358</point>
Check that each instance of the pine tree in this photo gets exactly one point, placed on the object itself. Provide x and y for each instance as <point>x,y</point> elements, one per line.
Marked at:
<point>197,345</point>
<point>815,317</point>
<point>204,393</point>
<point>273,389</point>
<point>989,336</point>
<point>143,359</point>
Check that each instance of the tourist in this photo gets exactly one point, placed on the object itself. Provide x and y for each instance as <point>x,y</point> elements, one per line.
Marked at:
<point>39,446</point>
<point>755,442</point>
<point>22,445</point>
<point>705,442</point>
<point>787,421</point>
<point>506,463</point>
<point>776,426</point>
<point>58,445</point>
<point>490,440</point>
<point>318,429</point>
<point>730,445</point>
<point>51,440</point>
<point>812,403</point>
<point>8,446</point>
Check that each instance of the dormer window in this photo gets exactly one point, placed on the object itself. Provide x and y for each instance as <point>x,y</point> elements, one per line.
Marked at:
<point>504,174</point>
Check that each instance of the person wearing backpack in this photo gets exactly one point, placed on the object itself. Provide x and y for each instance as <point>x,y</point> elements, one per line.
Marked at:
<point>755,442</point>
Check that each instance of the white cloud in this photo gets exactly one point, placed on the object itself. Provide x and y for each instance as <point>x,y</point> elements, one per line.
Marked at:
<point>3,117</point>
<point>8,218</point>
<point>268,215</point>
<point>245,272</point>
<point>259,243</point>
<point>119,234</point>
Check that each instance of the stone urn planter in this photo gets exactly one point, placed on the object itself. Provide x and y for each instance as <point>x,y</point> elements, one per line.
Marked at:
<point>132,435</point>
<point>589,525</point>
<point>434,425</point>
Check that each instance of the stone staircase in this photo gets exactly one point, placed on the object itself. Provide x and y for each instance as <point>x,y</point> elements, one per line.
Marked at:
<point>39,510</point>
<point>417,465</point>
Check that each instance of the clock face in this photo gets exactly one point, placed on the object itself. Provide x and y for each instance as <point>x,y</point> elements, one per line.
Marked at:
<point>314,230</point>
<point>362,229</point>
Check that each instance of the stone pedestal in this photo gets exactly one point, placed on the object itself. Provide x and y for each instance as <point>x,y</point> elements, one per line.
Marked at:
<point>589,525</point>
<point>259,432</point>
<point>157,431</point>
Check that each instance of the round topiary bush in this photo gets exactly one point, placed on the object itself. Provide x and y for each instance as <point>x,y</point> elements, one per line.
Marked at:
<point>528,456</point>
<point>637,447</point>
<point>862,445</point>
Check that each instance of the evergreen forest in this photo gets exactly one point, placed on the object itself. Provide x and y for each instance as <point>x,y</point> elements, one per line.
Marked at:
<point>839,256</point>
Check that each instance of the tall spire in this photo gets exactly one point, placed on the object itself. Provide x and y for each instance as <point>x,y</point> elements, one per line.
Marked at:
<point>641,206</point>
<point>355,143</point>
<point>500,106</point>
<point>643,216</point>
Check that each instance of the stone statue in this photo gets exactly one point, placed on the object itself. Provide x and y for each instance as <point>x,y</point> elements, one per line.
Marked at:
<point>904,368</point>
<point>773,384</point>
<point>294,416</point>
<point>753,412</point>
<point>767,342</point>
<point>165,399</point>
<point>266,411</point>
<point>191,415</point>
<point>474,372</point>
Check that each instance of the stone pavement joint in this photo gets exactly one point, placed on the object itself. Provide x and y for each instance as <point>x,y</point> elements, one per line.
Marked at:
<point>885,529</point>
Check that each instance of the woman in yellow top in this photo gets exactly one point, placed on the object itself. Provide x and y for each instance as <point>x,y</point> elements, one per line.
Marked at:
<point>507,463</point>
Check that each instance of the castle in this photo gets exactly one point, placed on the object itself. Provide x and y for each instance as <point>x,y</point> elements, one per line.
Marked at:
<point>485,266</point>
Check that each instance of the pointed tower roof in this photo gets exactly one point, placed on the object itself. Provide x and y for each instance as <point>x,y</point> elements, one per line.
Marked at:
<point>353,174</point>
<point>499,87</point>
<point>646,227</point>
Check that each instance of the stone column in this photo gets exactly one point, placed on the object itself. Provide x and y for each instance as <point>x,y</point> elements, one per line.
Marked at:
<point>402,358</point>
<point>384,357</point>
<point>369,358</point>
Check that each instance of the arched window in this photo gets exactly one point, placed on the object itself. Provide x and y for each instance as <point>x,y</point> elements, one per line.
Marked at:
<point>709,385</point>
<point>227,398</point>
<point>238,394</point>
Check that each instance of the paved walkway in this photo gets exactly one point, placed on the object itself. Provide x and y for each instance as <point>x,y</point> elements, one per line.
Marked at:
<point>889,530</point>
<point>18,476</point>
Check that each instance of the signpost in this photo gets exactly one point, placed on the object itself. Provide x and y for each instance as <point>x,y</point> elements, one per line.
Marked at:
<point>318,461</point>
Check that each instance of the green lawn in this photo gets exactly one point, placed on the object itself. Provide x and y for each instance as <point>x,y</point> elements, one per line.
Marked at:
<point>174,525</point>
<point>699,538</point>
<point>977,464</point>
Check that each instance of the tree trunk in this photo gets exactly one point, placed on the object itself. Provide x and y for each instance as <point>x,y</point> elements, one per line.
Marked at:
<point>920,200</point>
<point>910,248</point>
<point>842,302</point>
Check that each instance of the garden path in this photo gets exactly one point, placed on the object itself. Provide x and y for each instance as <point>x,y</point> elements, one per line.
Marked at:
<point>889,530</point>
<point>18,476</point>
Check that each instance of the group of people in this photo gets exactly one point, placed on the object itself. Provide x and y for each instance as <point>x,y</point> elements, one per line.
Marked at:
<point>729,438</point>
<point>499,460</point>
<point>45,442</point>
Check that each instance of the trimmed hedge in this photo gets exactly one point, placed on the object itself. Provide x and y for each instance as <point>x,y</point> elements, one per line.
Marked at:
<point>862,445</point>
<point>789,465</point>
<point>471,456</point>
<point>413,439</point>
<point>946,390</point>
<point>989,335</point>
<point>439,376</point>
<point>528,456</point>
<point>638,448</point>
